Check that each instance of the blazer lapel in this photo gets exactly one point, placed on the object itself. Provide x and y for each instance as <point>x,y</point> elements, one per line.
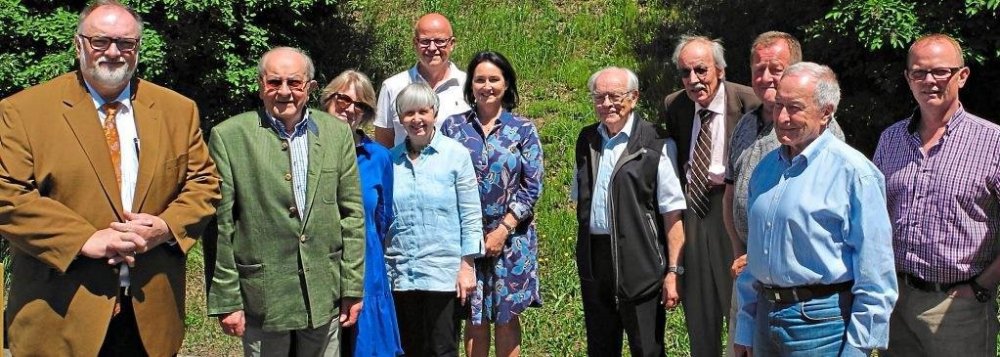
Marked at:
<point>317,158</point>
<point>81,116</point>
<point>147,124</point>
<point>734,109</point>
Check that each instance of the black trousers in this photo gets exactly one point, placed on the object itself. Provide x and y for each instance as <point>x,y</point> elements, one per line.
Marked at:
<point>428,323</point>
<point>123,333</point>
<point>642,319</point>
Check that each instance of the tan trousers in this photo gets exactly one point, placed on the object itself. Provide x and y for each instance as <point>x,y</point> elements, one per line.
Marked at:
<point>934,324</point>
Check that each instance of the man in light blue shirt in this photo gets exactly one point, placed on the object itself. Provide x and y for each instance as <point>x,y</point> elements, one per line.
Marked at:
<point>820,278</point>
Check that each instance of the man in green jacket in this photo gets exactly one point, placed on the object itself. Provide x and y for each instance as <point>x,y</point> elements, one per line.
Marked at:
<point>290,247</point>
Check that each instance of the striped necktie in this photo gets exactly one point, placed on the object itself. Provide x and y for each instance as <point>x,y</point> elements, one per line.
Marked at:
<point>111,136</point>
<point>697,187</point>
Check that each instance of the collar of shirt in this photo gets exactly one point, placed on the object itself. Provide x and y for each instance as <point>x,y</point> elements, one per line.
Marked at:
<point>718,104</point>
<point>125,97</point>
<point>363,145</point>
<point>763,126</point>
<point>624,134</point>
<point>430,149</point>
<point>454,77</point>
<point>299,129</point>
<point>954,122</point>
<point>808,154</point>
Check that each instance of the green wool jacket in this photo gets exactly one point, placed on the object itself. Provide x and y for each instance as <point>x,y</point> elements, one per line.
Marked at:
<point>286,273</point>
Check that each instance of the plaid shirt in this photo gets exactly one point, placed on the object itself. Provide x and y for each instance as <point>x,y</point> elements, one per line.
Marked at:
<point>945,206</point>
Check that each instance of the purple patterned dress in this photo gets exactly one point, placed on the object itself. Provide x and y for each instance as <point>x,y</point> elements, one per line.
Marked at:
<point>508,164</point>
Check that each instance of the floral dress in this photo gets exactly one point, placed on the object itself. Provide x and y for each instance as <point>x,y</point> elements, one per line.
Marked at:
<point>508,164</point>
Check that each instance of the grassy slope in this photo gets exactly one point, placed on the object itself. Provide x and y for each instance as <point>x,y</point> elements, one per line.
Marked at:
<point>554,46</point>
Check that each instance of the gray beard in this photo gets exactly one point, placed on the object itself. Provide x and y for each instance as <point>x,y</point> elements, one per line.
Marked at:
<point>111,78</point>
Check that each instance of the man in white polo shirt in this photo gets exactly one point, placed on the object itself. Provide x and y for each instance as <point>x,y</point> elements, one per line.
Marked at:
<point>433,41</point>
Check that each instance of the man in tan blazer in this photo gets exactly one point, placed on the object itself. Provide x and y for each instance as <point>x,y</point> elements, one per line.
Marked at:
<point>105,184</point>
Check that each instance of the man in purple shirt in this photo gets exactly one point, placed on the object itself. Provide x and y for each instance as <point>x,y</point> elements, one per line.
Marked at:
<point>942,170</point>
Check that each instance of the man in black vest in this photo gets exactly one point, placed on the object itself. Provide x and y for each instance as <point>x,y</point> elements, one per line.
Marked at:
<point>629,201</point>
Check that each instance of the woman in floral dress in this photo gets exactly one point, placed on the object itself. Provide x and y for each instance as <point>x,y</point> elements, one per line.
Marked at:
<point>507,157</point>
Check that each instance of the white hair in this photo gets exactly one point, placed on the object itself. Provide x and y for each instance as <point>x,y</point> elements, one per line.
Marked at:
<point>633,80</point>
<point>718,53</point>
<point>827,88</point>
<point>415,96</point>
<point>310,69</point>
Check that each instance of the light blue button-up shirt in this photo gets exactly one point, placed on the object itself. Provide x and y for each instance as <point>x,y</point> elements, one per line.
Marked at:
<point>821,218</point>
<point>437,216</point>
<point>669,195</point>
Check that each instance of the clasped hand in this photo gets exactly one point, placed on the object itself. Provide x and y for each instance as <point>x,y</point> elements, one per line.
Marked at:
<point>120,242</point>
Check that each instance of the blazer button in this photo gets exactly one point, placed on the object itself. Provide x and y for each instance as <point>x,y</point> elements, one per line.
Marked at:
<point>288,176</point>
<point>293,210</point>
<point>114,270</point>
<point>284,145</point>
<point>302,238</point>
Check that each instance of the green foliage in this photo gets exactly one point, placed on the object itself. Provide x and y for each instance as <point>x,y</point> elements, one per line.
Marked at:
<point>204,49</point>
<point>207,50</point>
<point>876,22</point>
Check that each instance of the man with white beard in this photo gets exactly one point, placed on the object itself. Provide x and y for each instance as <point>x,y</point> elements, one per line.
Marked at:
<point>98,231</point>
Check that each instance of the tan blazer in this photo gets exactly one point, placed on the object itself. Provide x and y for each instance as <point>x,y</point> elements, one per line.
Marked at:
<point>57,187</point>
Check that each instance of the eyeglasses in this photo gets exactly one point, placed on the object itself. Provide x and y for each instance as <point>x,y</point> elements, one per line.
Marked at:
<point>701,72</point>
<point>343,101</point>
<point>102,43</point>
<point>294,84</point>
<point>438,42</point>
<point>616,98</point>
<point>940,73</point>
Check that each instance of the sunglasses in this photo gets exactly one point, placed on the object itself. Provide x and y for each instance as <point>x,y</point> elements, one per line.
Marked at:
<point>343,101</point>
<point>294,84</point>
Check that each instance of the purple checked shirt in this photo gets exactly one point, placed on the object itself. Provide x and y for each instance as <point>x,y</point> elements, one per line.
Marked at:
<point>944,206</point>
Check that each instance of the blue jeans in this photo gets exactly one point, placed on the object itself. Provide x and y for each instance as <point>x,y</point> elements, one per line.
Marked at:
<point>811,328</point>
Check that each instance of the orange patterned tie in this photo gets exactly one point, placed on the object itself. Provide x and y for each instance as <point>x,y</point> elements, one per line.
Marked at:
<point>111,136</point>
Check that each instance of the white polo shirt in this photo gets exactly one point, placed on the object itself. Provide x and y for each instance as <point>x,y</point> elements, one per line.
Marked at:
<point>449,93</point>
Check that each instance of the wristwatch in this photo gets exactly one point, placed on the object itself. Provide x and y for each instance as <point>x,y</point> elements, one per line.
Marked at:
<point>982,294</point>
<point>677,269</point>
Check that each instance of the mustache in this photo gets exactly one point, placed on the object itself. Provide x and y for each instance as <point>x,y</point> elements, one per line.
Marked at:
<point>105,59</point>
<point>700,86</point>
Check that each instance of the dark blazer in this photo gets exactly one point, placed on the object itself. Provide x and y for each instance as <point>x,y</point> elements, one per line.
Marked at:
<point>678,118</point>
<point>57,187</point>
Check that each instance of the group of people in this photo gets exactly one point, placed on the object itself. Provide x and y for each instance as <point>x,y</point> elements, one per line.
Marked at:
<point>832,254</point>
<point>325,243</point>
<point>329,242</point>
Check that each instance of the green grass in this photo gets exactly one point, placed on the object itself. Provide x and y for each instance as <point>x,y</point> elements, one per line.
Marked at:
<point>554,47</point>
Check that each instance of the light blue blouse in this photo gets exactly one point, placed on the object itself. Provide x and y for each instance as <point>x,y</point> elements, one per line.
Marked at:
<point>437,216</point>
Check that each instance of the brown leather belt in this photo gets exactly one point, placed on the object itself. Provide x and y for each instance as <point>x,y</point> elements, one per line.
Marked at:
<point>926,286</point>
<point>796,294</point>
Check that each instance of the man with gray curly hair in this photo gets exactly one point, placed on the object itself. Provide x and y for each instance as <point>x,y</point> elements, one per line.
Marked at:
<point>701,118</point>
<point>817,279</point>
